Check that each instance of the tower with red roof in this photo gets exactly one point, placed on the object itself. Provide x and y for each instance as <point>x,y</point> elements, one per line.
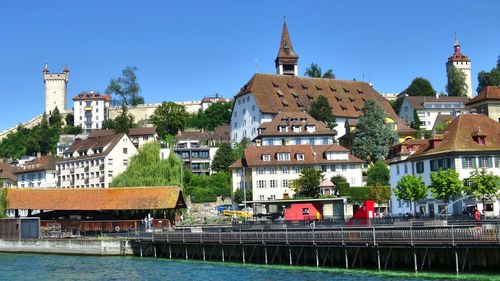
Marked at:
<point>462,63</point>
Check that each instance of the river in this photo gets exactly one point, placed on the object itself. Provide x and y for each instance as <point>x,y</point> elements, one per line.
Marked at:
<point>59,267</point>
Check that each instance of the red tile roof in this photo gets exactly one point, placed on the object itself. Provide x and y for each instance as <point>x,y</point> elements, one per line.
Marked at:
<point>487,93</point>
<point>131,198</point>
<point>290,119</point>
<point>92,96</point>
<point>7,172</point>
<point>457,54</point>
<point>38,164</point>
<point>417,102</point>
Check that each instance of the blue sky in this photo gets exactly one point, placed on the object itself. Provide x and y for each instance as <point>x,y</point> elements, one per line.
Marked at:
<point>185,50</point>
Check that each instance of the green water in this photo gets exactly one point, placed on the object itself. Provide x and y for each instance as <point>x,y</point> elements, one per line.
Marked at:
<point>58,267</point>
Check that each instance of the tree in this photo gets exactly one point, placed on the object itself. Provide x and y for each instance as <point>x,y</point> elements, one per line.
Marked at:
<point>238,195</point>
<point>482,185</point>
<point>457,86</point>
<point>169,118</point>
<point>373,137</point>
<point>440,127</point>
<point>307,184</point>
<point>239,148</point>
<point>416,121</point>
<point>315,71</point>
<point>380,194</point>
<point>125,88</point>
<point>55,118</point>
<point>124,121</point>
<point>491,78</point>
<point>108,124</point>
<point>217,114</point>
<point>410,188</point>
<point>70,120</point>
<point>445,184</point>
<point>223,158</point>
<point>321,110</point>
<point>420,87</point>
<point>378,173</point>
<point>339,181</point>
<point>146,168</point>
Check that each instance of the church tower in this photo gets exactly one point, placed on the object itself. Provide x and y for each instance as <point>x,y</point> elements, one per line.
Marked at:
<point>55,90</point>
<point>287,60</point>
<point>462,63</point>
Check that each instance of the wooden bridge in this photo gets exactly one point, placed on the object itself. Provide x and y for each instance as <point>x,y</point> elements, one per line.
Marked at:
<point>463,247</point>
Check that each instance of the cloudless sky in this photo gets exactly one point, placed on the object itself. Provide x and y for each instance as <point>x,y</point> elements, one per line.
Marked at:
<point>185,50</point>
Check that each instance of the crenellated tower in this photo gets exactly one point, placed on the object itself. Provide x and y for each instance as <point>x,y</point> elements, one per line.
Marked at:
<point>462,63</point>
<point>55,89</point>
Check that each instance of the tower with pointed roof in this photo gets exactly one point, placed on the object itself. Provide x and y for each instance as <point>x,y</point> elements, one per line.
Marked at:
<point>287,60</point>
<point>55,90</point>
<point>462,63</point>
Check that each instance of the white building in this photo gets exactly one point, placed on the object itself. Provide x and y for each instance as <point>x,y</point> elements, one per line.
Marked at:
<point>269,170</point>
<point>90,110</point>
<point>265,95</point>
<point>429,107</point>
<point>462,63</point>
<point>55,90</point>
<point>94,162</point>
<point>39,172</point>
<point>471,141</point>
<point>141,136</point>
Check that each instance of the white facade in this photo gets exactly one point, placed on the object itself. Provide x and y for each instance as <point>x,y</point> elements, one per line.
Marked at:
<point>464,164</point>
<point>465,67</point>
<point>431,110</point>
<point>41,178</point>
<point>90,110</point>
<point>88,171</point>
<point>246,118</point>
<point>55,90</point>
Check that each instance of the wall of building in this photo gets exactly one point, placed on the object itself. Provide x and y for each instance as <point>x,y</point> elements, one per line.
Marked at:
<point>55,91</point>
<point>42,178</point>
<point>465,67</point>
<point>246,118</point>
<point>90,119</point>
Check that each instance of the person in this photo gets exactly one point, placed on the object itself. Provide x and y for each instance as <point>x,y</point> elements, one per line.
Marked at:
<point>318,216</point>
<point>234,218</point>
<point>477,215</point>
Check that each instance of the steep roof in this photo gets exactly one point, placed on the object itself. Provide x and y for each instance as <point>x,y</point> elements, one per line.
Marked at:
<point>7,172</point>
<point>131,198</point>
<point>459,136</point>
<point>286,51</point>
<point>487,93</point>
<point>417,102</point>
<point>291,118</point>
<point>457,54</point>
<point>38,164</point>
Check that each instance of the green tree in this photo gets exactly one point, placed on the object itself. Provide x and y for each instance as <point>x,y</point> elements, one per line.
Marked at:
<point>217,114</point>
<point>169,118</point>
<point>445,184</point>
<point>146,168</point>
<point>315,71</point>
<point>440,127</point>
<point>416,121</point>
<point>378,174</point>
<point>203,188</point>
<point>373,137</point>
<point>307,184</point>
<point>124,121</point>
<point>238,196</point>
<point>483,185</point>
<point>70,119</point>
<point>125,88</point>
<point>410,188</point>
<point>55,118</point>
<point>420,87</point>
<point>381,194</point>
<point>321,110</point>
<point>457,85</point>
<point>223,158</point>
<point>108,124</point>
<point>239,148</point>
<point>491,78</point>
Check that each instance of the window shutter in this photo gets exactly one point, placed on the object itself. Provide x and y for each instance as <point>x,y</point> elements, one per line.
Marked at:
<point>474,162</point>
<point>463,162</point>
<point>490,162</point>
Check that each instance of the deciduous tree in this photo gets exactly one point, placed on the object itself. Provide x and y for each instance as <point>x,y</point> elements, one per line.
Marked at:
<point>445,184</point>
<point>169,118</point>
<point>457,85</point>
<point>378,174</point>
<point>420,87</point>
<point>410,188</point>
<point>125,88</point>
<point>483,185</point>
<point>321,110</point>
<point>223,158</point>
<point>491,78</point>
<point>308,183</point>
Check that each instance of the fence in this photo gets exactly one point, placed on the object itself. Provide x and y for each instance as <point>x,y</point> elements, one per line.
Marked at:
<point>20,228</point>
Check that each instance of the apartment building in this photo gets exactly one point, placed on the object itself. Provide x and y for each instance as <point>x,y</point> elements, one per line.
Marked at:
<point>140,136</point>
<point>90,110</point>
<point>39,172</point>
<point>95,161</point>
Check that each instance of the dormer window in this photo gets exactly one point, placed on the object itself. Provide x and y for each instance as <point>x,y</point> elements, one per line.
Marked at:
<point>299,156</point>
<point>346,90</point>
<point>310,128</point>
<point>304,87</point>
<point>283,129</point>
<point>296,129</point>
<point>318,88</point>
<point>480,140</point>
<point>280,93</point>
<point>479,137</point>
<point>266,157</point>
<point>275,85</point>
<point>333,90</point>
<point>360,91</point>
<point>283,156</point>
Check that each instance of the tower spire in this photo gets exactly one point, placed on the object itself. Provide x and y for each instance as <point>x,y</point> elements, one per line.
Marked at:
<point>287,60</point>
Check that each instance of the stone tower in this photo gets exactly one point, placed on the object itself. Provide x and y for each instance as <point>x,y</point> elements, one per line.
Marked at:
<point>462,63</point>
<point>55,89</point>
<point>287,60</point>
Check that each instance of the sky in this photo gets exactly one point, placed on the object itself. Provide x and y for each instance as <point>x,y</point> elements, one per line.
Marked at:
<point>185,50</point>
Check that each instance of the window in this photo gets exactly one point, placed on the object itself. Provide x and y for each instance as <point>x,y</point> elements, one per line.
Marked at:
<point>488,207</point>
<point>420,167</point>
<point>485,162</point>
<point>406,169</point>
<point>305,211</point>
<point>344,168</point>
<point>125,150</point>
<point>283,156</point>
<point>110,174</point>
<point>284,170</point>
<point>261,197</point>
<point>468,162</point>
<point>285,183</point>
<point>333,168</point>
<point>125,162</point>
<point>397,170</point>
<point>497,161</point>
<point>272,170</point>
<point>266,157</point>
<point>273,183</point>
<point>110,161</point>
<point>323,168</point>
<point>273,197</point>
<point>261,184</point>
<point>297,169</point>
<point>300,156</point>
<point>260,171</point>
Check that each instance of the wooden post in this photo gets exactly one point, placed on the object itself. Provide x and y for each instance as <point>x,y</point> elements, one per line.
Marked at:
<point>346,258</point>
<point>243,253</point>
<point>140,248</point>
<point>456,261</point>
<point>378,259</point>
<point>265,254</point>
<point>290,255</point>
<point>203,251</point>
<point>415,260</point>
<point>169,251</point>
<point>222,253</point>
<point>154,249</point>
<point>186,250</point>
<point>317,257</point>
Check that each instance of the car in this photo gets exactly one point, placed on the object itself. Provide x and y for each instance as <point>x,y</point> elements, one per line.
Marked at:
<point>222,208</point>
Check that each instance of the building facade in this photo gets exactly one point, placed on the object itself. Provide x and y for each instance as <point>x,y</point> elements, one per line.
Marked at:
<point>7,176</point>
<point>95,161</point>
<point>39,172</point>
<point>141,136</point>
<point>487,102</point>
<point>90,110</point>
<point>471,142</point>
<point>462,63</point>
<point>55,90</point>
<point>270,170</point>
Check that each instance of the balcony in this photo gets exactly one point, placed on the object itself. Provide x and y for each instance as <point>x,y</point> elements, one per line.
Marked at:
<point>72,182</point>
<point>101,167</point>
<point>86,181</point>
<point>86,169</point>
<point>101,179</point>
<point>72,170</point>
<point>87,108</point>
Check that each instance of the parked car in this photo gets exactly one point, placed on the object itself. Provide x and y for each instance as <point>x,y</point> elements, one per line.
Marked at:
<point>222,208</point>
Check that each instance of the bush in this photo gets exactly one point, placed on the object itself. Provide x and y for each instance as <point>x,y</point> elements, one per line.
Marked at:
<point>378,173</point>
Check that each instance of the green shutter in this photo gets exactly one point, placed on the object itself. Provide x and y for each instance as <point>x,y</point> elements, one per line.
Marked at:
<point>464,162</point>
<point>490,162</point>
<point>474,162</point>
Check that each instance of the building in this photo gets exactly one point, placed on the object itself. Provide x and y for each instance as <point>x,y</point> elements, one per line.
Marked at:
<point>140,136</point>
<point>470,141</point>
<point>7,176</point>
<point>39,172</point>
<point>429,107</point>
<point>55,90</point>
<point>266,95</point>
<point>292,128</point>
<point>487,102</point>
<point>401,151</point>
<point>441,123</point>
<point>208,101</point>
<point>65,141</point>
<point>95,161</point>
<point>269,170</point>
<point>462,63</point>
<point>90,110</point>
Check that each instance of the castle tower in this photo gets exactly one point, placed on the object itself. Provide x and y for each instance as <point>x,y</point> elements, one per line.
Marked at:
<point>462,63</point>
<point>287,60</point>
<point>55,89</point>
